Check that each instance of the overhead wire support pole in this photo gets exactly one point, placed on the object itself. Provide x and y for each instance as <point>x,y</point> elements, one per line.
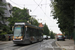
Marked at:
<point>74,24</point>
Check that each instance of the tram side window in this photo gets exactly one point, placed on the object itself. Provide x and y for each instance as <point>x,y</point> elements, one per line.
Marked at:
<point>38,32</point>
<point>31,31</point>
<point>27,32</point>
<point>35,32</point>
<point>42,32</point>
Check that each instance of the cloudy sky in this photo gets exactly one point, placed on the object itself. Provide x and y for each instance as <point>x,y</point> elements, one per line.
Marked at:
<point>41,9</point>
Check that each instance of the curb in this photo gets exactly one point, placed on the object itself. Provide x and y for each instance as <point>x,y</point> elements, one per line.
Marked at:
<point>74,46</point>
<point>59,46</point>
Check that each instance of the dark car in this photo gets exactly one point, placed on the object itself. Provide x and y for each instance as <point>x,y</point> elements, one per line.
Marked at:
<point>60,37</point>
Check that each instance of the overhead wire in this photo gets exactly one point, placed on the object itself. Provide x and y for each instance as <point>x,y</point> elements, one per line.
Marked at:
<point>42,10</point>
<point>28,4</point>
<point>37,6</point>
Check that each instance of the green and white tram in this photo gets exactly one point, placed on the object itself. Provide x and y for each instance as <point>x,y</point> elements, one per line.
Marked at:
<point>24,33</point>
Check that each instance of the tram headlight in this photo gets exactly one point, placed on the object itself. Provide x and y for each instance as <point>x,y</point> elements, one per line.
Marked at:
<point>21,39</point>
<point>13,39</point>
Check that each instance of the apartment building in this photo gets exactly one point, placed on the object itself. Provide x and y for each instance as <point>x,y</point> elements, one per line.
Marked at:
<point>8,11</point>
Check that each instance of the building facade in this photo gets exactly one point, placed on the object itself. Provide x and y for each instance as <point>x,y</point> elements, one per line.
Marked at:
<point>41,25</point>
<point>8,11</point>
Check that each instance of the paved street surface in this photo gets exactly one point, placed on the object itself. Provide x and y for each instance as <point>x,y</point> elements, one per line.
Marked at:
<point>45,45</point>
<point>67,44</point>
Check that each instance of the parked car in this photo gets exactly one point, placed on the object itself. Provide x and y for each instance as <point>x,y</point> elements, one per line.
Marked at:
<point>60,37</point>
<point>49,37</point>
<point>45,37</point>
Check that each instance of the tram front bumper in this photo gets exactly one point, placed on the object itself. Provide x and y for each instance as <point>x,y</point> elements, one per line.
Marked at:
<point>18,41</point>
<point>26,41</point>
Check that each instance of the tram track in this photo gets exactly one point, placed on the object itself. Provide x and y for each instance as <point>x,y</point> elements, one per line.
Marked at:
<point>36,45</point>
<point>11,46</point>
<point>44,45</point>
<point>29,46</point>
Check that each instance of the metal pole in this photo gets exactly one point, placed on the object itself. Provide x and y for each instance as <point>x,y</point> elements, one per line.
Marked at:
<point>74,35</point>
<point>74,24</point>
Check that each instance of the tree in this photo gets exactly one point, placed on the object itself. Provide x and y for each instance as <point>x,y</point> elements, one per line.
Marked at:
<point>52,35</point>
<point>3,26</point>
<point>18,15</point>
<point>46,30</point>
<point>33,21</point>
<point>2,8</point>
<point>64,13</point>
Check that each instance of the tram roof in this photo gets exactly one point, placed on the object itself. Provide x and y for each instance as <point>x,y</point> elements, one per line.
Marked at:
<point>33,26</point>
<point>28,25</point>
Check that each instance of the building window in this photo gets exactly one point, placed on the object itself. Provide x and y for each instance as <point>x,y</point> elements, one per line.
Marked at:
<point>9,4</point>
<point>10,11</point>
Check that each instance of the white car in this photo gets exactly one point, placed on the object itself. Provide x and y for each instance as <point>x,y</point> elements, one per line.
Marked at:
<point>49,37</point>
<point>45,37</point>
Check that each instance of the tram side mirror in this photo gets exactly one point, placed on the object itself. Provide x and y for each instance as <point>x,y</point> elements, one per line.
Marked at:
<point>26,28</point>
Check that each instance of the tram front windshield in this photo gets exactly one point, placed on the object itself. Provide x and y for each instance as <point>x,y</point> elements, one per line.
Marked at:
<point>17,31</point>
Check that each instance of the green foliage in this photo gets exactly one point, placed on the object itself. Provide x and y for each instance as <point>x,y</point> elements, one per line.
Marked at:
<point>3,27</point>
<point>52,35</point>
<point>64,13</point>
<point>3,33</point>
<point>46,30</point>
<point>2,8</point>
<point>33,21</point>
<point>18,15</point>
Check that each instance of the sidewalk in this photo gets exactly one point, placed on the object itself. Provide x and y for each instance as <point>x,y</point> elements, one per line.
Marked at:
<point>66,45</point>
<point>4,42</point>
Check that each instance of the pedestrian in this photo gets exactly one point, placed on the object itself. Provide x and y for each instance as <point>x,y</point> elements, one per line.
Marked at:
<point>9,38</point>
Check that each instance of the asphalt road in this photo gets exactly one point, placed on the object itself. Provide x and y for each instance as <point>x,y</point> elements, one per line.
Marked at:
<point>44,45</point>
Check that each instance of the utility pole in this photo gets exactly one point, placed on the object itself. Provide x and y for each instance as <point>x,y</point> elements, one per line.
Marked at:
<point>74,23</point>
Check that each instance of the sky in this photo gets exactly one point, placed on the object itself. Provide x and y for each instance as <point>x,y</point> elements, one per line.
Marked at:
<point>41,9</point>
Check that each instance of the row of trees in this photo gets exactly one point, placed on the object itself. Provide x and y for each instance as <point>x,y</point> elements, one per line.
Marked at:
<point>63,11</point>
<point>48,32</point>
